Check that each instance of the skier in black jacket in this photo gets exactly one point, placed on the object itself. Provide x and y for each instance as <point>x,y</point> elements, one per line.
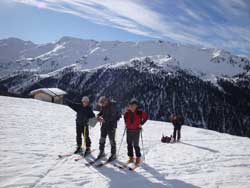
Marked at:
<point>108,118</point>
<point>83,113</point>
<point>177,121</point>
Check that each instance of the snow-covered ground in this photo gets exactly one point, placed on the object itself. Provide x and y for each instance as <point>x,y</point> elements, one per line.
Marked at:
<point>33,133</point>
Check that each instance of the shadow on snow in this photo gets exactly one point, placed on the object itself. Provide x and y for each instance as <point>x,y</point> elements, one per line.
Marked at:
<point>200,147</point>
<point>133,179</point>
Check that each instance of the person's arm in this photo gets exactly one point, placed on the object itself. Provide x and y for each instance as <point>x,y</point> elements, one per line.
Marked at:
<point>181,120</point>
<point>74,106</point>
<point>126,117</point>
<point>99,117</point>
<point>118,115</point>
<point>144,118</point>
<point>100,114</point>
<point>91,113</point>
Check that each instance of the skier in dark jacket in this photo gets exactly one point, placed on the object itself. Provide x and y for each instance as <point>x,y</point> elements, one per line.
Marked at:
<point>108,118</point>
<point>177,121</point>
<point>83,113</point>
<point>134,119</point>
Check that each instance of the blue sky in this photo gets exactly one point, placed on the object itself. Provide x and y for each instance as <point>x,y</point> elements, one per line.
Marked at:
<point>210,23</point>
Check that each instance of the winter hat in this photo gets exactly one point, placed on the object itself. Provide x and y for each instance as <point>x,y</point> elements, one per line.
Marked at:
<point>102,100</point>
<point>85,98</point>
<point>134,101</point>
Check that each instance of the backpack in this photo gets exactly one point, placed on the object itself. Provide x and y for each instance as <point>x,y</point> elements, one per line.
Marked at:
<point>92,122</point>
<point>166,139</point>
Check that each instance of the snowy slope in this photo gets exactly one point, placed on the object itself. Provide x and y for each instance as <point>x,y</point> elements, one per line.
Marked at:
<point>149,64</point>
<point>33,133</point>
<point>86,54</point>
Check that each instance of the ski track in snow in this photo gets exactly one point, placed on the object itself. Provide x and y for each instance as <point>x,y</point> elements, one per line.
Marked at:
<point>33,133</point>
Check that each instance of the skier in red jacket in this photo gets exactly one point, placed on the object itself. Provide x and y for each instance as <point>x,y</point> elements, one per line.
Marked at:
<point>134,119</point>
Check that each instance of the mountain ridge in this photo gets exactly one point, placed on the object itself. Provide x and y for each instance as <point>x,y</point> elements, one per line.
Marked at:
<point>45,58</point>
<point>211,88</point>
<point>161,91</point>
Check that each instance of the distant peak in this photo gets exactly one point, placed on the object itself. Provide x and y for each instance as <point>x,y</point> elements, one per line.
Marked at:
<point>14,40</point>
<point>74,39</point>
<point>67,38</point>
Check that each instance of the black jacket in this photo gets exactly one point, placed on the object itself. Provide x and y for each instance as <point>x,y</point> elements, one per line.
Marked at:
<point>177,121</point>
<point>110,114</point>
<point>83,114</point>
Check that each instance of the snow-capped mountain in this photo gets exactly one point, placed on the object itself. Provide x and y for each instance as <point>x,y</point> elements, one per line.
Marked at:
<point>210,87</point>
<point>34,133</point>
<point>159,84</point>
<point>21,55</point>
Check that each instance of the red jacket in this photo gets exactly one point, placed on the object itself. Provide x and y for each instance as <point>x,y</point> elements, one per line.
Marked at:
<point>133,120</point>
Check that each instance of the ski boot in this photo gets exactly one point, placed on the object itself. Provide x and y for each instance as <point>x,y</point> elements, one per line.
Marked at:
<point>112,157</point>
<point>87,152</point>
<point>101,155</point>
<point>138,161</point>
<point>78,150</point>
<point>130,160</point>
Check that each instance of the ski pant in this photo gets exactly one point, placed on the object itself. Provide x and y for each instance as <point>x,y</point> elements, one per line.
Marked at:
<point>82,130</point>
<point>177,132</point>
<point>110,132</point>
<point>133,138</point>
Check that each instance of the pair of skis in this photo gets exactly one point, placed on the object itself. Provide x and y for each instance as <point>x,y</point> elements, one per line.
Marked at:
<point>65,155</point>
<point>130,166</point>
<point>93,162</point>
<point>82,155</point>
<point>98,164</point>
<point>123,166</point>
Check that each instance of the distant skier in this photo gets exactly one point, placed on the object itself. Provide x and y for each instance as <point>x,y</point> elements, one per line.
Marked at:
<point>108,118</point>
<point>134,119</point>
<point>83,113</point>
<point>177,121</point>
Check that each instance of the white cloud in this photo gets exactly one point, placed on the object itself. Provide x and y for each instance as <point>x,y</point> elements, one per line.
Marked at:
<point>194,24</point>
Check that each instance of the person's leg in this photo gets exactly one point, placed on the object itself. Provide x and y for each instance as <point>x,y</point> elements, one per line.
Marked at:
<point>86,140</point>
<point>179,134</point>
<point>102,140</point>
<point>136,140</point>
<point>86,137</point>
<point>111,135</point>
<point>130,144</point>
<point>79,131</point>
<point>174,133</point>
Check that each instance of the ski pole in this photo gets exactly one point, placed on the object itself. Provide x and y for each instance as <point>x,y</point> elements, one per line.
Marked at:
<point>142,145</point>
<point>121,141</point>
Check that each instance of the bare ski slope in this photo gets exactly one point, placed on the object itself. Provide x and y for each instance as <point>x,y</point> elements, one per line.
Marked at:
<point>33,133</point>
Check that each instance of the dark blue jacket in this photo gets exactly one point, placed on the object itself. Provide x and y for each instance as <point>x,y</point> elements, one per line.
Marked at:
<point>83,114</point>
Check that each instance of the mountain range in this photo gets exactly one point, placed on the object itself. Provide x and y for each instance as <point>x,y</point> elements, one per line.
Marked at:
<point>209,87</point>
